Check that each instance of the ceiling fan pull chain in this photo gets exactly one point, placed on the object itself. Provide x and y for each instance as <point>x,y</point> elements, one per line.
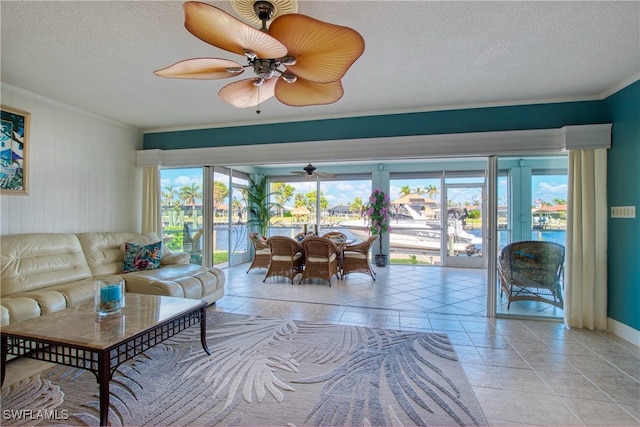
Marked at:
<point>258,110</point>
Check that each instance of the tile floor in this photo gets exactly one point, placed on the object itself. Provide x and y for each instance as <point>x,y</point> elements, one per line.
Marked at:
<point>524,372</point>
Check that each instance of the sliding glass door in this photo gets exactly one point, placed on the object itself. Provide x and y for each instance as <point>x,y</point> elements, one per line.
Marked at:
<point>423,232</point>
<point>531,207</point>
<point>181,210</point>
<point>464,225</point>
<point>416,224</point>
<point>229,240</point>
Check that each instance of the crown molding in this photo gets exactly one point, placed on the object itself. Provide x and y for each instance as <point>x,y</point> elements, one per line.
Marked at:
<point>503,143</point>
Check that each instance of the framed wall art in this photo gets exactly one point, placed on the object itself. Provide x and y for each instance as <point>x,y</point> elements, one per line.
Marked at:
<point>14,144</point>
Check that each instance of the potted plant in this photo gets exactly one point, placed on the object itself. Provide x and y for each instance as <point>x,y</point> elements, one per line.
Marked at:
<point>260,208</point>
<point>377,211</point>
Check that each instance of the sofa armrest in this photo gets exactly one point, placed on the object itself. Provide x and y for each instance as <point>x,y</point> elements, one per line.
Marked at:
<point>176,258</point>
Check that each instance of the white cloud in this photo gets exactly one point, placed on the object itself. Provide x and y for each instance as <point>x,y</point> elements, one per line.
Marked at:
<point>548,192</point>
<point>187,180</point>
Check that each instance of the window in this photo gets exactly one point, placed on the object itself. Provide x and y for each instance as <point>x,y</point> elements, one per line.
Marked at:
<point>181,199</point>
<point>317,204</point>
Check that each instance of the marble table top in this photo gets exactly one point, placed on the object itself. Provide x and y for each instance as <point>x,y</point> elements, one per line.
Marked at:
<point>81,326</point>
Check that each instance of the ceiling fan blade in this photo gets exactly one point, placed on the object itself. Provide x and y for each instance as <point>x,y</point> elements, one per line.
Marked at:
<point>319,174</point>
<point>323,52</point>
<point>325,174</point>
<point>244,94</point>
<point>201,69</point>
<point>303,92</point>
<point>218,28</point>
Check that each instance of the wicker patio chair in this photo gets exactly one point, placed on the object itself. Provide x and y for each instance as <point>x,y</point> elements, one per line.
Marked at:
<point>287,257</point>
<point>321,258</point>
<point>262,253</point>
<point>355,258</point>
<point>335,236</point>
<point>532,270</point>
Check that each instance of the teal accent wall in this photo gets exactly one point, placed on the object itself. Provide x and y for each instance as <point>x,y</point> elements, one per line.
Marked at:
<point>623,189</point>
<point>622,109</point>
<point>522,117</point>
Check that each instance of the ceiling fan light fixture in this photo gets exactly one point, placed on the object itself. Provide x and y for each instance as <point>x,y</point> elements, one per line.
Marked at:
<point>250,54</point>
<point>264,68</point>
<point>288,60</point>
<point>258,81</point>
<point>289,78</point>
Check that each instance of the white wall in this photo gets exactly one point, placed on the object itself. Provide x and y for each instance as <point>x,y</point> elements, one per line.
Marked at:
<point>82,174</point>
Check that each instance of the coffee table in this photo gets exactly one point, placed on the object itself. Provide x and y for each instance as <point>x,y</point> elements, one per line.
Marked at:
<point>78,337</point>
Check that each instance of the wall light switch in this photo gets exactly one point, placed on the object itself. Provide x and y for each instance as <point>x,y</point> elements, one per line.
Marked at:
<point>623,211</point>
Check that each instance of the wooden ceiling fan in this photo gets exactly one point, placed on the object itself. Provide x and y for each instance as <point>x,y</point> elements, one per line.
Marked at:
<point>298,59</point>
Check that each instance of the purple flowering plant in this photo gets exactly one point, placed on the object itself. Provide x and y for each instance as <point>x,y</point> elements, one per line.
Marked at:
<point>377,211</point>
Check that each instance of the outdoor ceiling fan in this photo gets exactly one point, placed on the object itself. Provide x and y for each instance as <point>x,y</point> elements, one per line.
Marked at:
<point>311,170</point>
<point>298,59</point>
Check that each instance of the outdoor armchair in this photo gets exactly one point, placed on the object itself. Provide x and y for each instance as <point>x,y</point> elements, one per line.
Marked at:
<point>286,257</point>
<point>262,253</point>
<point>532,270</point>
<point>355,258</point>
<point>321,258</point>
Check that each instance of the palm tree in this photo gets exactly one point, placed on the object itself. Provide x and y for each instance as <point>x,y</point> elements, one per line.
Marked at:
<point>432,191</point>
<point>405,191</point>
<point>168,195</point>
<point>356,205</point>
<point>283,193</point>
<point>299,200</point>
<point>189,195</point>
<point>237,207</point>
<point>311,199</point>
<point>220,193</point>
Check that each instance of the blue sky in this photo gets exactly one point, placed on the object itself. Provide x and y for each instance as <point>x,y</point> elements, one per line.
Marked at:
<point>546,187</point>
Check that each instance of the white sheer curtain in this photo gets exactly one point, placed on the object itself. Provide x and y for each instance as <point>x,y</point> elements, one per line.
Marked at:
<point>586,256</point>
<point>151,200</point>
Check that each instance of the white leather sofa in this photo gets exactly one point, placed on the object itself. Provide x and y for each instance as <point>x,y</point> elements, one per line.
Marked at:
<point>47,272</point>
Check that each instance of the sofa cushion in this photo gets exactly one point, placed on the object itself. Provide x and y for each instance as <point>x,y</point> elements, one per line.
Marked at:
<point>175,258</point>
<point>41,260</point>
<point>138,257</point>
<point>17,309</point>
<point>22,305</point>
<point>102,251</point>
<point>147,239</point>
<point>77,292</point>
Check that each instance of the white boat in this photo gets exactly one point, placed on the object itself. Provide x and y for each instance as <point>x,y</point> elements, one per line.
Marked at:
<point>421,233</point>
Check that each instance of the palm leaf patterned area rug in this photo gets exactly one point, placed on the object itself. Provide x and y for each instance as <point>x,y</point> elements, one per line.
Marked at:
<point>268,371</point>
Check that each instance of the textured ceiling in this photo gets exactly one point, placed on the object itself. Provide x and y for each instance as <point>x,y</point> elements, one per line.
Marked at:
<point>99,56</point>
